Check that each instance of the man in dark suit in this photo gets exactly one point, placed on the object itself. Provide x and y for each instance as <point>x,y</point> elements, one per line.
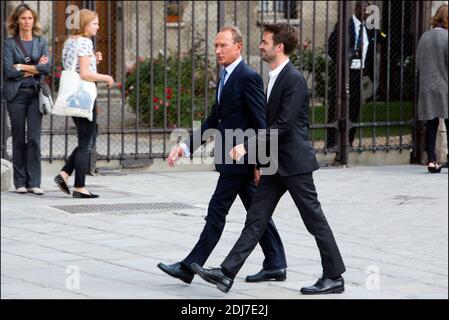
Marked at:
<point>362,41</point>
<point>288,105</point>
<point>240,104</point>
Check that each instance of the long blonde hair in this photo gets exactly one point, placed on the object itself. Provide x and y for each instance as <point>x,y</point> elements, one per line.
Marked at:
<point>13,20</point>
<point>86,16</point>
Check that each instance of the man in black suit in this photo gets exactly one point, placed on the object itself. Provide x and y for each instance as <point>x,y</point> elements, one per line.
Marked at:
<point>240,104</point>
<point>288,105</point>
<point>362,41</point>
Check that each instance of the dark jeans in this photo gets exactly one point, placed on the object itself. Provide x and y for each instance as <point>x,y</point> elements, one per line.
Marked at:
<point>26,153</point>
<point>79,159</point>
<point>431,137</point>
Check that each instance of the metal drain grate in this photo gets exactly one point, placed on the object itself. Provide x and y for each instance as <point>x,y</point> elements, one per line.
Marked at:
<point>92,208</point>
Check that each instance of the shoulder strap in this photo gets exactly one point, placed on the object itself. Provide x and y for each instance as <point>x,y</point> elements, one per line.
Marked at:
<point>22,49</point>
<point>76,54</point>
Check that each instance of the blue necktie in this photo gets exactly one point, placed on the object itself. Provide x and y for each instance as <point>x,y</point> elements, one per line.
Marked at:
<point>360,38</point>
<point>222,83</point>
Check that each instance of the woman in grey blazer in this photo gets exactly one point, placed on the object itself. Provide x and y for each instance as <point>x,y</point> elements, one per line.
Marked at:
<point>22,72</point>
<point>432,64</point>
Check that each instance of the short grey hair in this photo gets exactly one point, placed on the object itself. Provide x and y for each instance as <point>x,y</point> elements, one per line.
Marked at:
<point>236,34</point>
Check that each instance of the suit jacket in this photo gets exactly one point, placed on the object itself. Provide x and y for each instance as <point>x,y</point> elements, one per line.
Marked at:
<point>373,34</point>
<point>288,109</point>
<point>13,55</point>
<point>242,106</point>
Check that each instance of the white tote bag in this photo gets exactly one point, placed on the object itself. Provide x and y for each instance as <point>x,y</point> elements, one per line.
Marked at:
<point>76,97</point>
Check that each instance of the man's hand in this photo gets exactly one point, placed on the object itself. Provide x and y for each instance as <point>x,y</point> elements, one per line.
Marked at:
<point>237,152</point>
<point>27,74</point>
<point>256,176</point>
<point>98,56</point>
<point>43,60</point>
<point>175,153</point>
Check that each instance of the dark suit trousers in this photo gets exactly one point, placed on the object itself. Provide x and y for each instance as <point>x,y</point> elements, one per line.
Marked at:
<point>228,187</point>
<point>26,151</point>
<point>354,106</point>
<point>268,194</point>
<point>354,101</point>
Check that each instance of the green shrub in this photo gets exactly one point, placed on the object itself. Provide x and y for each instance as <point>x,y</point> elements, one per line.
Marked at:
<point>164,100</point>
<point>304,61</point>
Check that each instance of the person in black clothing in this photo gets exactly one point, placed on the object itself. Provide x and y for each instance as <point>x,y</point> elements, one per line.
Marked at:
<point>240,104</point>
<point>362,41</point>
<point>288,106</point>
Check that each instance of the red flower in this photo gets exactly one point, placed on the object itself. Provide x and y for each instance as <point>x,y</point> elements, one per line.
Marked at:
<point>58,75</point>
<point>119,85</point>
<point>169,97</point>
<point>155,99</point>
<point>169,91</point>
<point>59,68</point>
<point>156,108</point>
<point>131,69</point>
<point>167,104</point>
<point>161,101</point>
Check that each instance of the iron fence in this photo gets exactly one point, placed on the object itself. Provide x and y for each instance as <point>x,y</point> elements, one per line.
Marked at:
<point>166,72</point>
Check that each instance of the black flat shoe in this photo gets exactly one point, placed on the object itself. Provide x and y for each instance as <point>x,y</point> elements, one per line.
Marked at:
<point>59,180</point>
<point>268,275</point>
<point>77,194</point>
<point>433,167</point>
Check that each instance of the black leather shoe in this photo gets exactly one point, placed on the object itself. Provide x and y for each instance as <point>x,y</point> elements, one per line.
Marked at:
<point>268,275</point>
<point>59,180</point>
<point>77,194</point>
<point>177,271</point>
<point>214,276</point>
<point>325,285</point>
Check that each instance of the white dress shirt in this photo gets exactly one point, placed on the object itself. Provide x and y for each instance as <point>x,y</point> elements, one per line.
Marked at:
<point>365,40</point>
<point>273,74</point>
<point>229,70</point>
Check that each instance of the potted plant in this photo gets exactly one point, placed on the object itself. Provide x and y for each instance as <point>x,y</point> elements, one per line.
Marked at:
<point>174,11</point>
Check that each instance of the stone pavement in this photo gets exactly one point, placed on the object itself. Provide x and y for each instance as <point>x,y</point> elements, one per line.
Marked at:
<point>390,222</point>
